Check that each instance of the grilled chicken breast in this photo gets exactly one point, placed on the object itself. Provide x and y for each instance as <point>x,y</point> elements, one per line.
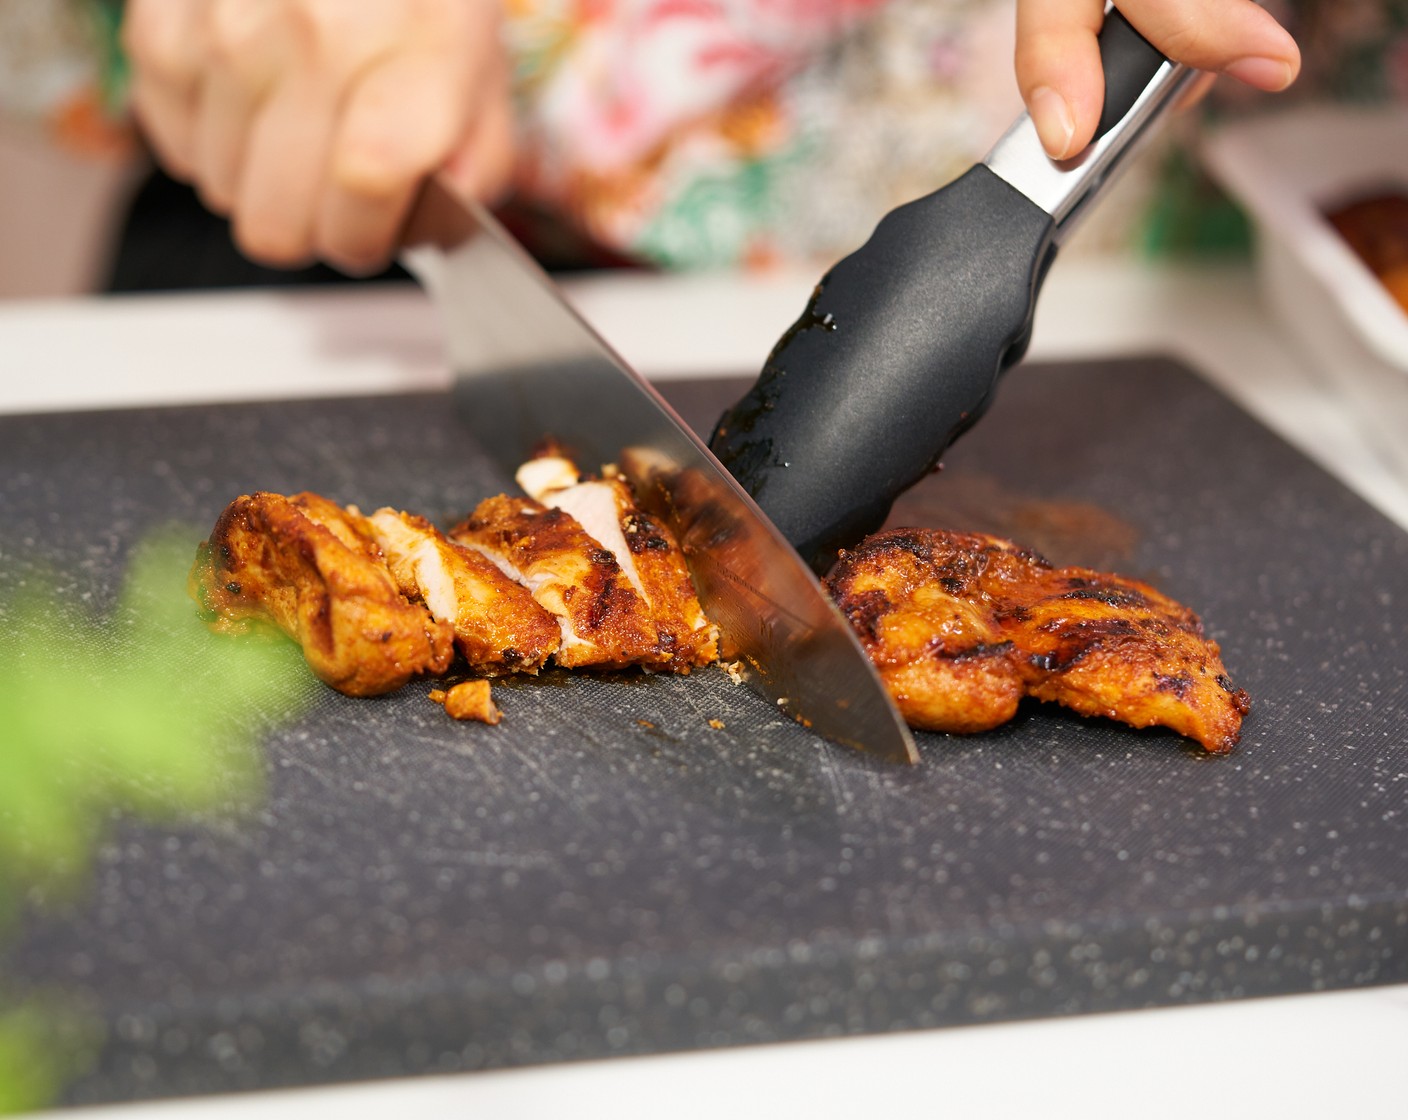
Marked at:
<point>961,626</point>
<point>498,626</point>
<point>313,569</point>
<point>648,555</point>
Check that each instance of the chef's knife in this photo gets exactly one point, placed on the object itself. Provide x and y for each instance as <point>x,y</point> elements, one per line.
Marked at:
<point>528,367</point>
<point>903,342</point>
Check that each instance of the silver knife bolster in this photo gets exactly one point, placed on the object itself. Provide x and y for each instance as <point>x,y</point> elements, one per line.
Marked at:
<point>1065,188</point>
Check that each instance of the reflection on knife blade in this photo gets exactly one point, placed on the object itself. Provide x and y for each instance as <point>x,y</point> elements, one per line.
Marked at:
<point>528,368</point>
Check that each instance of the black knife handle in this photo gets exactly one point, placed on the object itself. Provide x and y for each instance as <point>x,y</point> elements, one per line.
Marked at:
<point>898,352</point>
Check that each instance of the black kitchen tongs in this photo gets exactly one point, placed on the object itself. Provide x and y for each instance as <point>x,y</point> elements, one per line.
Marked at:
<point>902,345</point>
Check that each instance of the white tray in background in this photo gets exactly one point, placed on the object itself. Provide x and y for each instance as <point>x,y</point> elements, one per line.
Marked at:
<point>1286,171</point>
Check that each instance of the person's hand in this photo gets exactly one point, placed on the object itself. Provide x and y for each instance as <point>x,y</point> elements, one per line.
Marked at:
<point>1058,61</point>
<point>311,123</point>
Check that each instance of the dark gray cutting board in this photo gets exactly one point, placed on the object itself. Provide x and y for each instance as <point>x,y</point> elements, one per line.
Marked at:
<point>605,873</point>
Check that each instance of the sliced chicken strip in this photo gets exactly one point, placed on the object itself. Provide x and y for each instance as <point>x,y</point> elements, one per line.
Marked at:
<point>649,556</point>
<point>498,626</point>
<point>546,474</point>
<point>605,623</point>
<point>557,483</point>
<point>312,569</point>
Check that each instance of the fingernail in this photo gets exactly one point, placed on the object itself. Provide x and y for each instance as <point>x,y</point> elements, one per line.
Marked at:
<point>1264,73</point>
<point>1052,117</point>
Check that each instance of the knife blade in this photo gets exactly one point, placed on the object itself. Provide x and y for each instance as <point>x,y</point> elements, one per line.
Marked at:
<point>528,367</point>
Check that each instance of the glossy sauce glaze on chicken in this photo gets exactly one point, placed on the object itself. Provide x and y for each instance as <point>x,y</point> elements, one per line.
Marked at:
<point>314,570</point>
<point>498,626</point>
<point>612,574</point>
<point>377,600</point>
<point>962,626</point>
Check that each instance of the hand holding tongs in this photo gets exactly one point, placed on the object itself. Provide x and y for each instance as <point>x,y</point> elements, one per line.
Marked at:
<point>902,345</point>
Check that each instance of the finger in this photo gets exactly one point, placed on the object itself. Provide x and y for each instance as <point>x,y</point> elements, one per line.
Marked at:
<point>1058,67</point>
<point>163,40</point>
<point>399,123</point>
<point>402,121</point>
<point>1234,37</point>
<point>1058,70</point>
<point>283,172</point>
<point>225,114</point>
<point>246,50</point>
<point>481,165</point>
<point>166,117</point>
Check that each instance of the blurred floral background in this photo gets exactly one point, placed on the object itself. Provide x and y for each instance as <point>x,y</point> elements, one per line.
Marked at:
<point>746,133</point>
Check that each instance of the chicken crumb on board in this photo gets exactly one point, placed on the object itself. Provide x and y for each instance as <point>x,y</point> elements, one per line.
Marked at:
<point>468,700</point>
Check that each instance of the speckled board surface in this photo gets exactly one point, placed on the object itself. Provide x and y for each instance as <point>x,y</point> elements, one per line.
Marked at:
<point>607,873</point>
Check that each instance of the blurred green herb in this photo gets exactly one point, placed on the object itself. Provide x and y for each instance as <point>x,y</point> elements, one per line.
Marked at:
<point>144,713</point>
<point>44,1040</point>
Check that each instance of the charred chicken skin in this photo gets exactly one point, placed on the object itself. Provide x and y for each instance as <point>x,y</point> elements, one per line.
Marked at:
<point>648,555</point>
<point>312,569</point>
<point>605,622</point>
<point>961,626</point>
<point>375,600</point>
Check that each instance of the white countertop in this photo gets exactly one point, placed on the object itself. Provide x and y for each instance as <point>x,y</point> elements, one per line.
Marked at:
<point>1330,1053</point>
<point>167,349</point>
